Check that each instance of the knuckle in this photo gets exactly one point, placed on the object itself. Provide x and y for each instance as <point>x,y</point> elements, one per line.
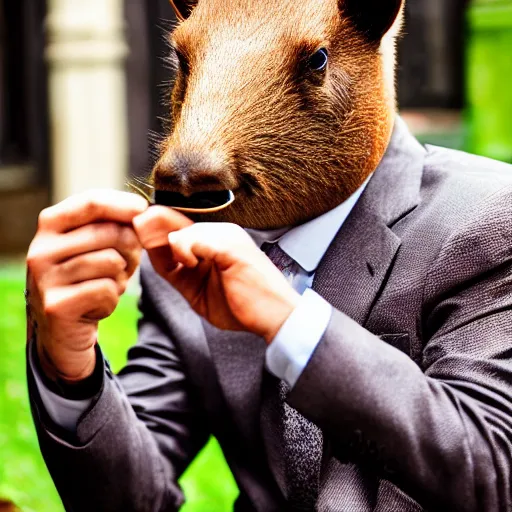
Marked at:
<point>90,205</point>
<point>104,297</point>
<point>133,261</point>
<point>122,285</point>
<point>136,255</point>
<point>110,288</point>
<point>110,294</point>
<point>36,254</point>
<point>44,218</point>
<point>116,232</point>
<point>107,231</point>
<point>128,238</point>
<point>32,258</point>
<point>50,306</point>
<point>114,259</point>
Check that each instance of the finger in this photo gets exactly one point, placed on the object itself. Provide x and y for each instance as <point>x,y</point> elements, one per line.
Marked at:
<point>181,248</point>
<point>154,225</point>
<point>93,237</point>
<point>107,263</point>
<point>90,300</point>
<point>188,281</point>
<point>223,243</point>
<point>162,260</point>
<point>130,248</point>
<point>92,206</point>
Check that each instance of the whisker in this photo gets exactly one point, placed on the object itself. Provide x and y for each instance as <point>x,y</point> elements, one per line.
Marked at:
<point>141,187</point>
<point>142,181</point>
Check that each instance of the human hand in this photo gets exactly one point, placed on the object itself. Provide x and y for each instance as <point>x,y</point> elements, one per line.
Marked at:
<point>78,265</point>
<point>219,270</point>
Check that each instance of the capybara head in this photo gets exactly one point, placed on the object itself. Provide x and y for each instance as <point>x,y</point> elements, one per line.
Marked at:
<point>288,103</point>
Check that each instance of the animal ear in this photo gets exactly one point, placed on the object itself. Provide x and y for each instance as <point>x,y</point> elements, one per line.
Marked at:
<point>371,17</point>
<point>183,8</point>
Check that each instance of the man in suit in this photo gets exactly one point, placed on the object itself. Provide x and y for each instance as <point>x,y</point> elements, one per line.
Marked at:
<point>359,360</point>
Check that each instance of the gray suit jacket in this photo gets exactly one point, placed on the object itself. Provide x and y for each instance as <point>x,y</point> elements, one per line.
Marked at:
<point>411,383</point>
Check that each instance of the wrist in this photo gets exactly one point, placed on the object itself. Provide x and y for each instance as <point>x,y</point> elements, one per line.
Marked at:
<point>70,367</point>
<point>281,313</point>
<point>84,389</point>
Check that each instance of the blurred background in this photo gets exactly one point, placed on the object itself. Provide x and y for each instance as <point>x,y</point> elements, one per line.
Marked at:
<point>81,95</point>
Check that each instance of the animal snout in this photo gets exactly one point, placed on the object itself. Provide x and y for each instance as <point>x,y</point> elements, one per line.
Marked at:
<point>190,171</point>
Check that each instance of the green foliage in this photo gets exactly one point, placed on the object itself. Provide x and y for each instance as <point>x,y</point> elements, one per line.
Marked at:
<point>488,76</point>
<point>208,483</point>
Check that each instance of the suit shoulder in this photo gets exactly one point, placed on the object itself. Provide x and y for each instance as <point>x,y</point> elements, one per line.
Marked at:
<point>465,204</point>
<point>463,219</point>
<point>458,187</point>
<point>468,199</point>
<point>459,166</point>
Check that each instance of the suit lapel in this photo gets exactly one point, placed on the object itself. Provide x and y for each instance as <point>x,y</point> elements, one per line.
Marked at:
<point>356,265</point>
<point>358,262</point>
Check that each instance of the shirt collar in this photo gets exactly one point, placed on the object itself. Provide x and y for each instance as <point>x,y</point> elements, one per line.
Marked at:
<point>307,244</point>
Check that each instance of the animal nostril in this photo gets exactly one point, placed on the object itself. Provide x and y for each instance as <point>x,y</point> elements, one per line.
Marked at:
<point>164,176</point>
<point>189,172</point>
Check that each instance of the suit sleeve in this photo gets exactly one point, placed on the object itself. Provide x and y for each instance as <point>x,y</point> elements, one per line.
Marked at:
<point>136,438</point>
<point>441,432</point>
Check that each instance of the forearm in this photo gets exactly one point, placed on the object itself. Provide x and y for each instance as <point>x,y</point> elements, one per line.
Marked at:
<point>423,435</point>
<point>112,462</point>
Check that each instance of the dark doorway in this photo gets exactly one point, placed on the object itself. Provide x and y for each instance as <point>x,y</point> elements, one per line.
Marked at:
<point>23,95</point>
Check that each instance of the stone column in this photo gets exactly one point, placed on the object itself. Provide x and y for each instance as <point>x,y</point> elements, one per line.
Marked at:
<point>88,112</point>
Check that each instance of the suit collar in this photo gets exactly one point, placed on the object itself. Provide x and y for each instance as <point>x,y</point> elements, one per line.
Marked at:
<point>358,262</point>
<point>307,243</point>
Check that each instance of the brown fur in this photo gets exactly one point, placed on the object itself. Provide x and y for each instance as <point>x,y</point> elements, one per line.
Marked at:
<point>292,146</point>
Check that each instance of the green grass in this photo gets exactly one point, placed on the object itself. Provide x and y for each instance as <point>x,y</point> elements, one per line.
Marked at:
<point>208,483</point>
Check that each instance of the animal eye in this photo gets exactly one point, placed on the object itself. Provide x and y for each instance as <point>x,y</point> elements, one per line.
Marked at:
<point>318,61</point>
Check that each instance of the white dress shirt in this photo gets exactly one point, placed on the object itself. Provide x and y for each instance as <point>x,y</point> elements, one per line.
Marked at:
<point>294,344</point>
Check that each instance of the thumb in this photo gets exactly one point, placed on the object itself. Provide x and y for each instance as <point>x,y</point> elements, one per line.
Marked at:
<point>154,225</point>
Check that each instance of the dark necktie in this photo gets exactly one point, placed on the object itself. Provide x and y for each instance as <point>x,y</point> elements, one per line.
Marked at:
<point>294,443</point>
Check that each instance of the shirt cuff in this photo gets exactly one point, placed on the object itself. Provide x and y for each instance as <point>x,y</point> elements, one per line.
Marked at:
<point>64,412</point>
<point>294,344</point>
